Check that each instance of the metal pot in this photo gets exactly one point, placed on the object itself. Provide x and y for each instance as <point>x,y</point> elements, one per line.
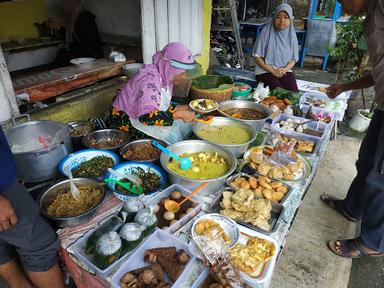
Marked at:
<point>39,164</point>
<point>138,142</point>
<point>237,149</point>
<point>256,124</point>
<point>193,146</point>
<point>50,194</point>
<point>87,127</point>
<point>90,140</point>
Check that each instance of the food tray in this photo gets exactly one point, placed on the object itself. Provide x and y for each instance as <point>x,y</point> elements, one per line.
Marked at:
<point>302,137</point>
<point>268,267</point>
<point>78,250</point>
<point>338,114</point>
<point>276,215</point>
<point>233,177</point>
<point>306,173</point>
<point>283,117</point>
<point>185,192</point>
<point>157,240</point>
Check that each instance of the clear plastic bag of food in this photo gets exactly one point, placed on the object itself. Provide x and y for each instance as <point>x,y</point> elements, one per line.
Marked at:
<point>215,254</point>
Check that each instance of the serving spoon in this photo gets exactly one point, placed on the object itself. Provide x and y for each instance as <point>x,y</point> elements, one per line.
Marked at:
<point>72,187</point>
<point>173,206</point>
<point>131,187</point>
<point>185,163</point>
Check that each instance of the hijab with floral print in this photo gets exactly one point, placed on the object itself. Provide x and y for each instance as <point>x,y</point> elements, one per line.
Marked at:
<point>141,95</point>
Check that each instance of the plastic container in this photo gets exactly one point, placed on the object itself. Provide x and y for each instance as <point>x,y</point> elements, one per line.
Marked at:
<point>302,137</point>
<point>157,240</point>
<point>337,112</point>
<point>269,266</point>
<point>312,125</point>
<point>185,192</point>
<point>253,282</point>
<point>243,93</point>
<point>78,249</point>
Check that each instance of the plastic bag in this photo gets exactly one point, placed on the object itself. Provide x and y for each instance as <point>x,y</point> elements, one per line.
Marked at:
<point>260,92</point>
<point>216,253</point>
<point>179,131</point>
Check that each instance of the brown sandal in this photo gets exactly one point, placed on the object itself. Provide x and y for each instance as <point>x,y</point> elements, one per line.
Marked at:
<point>334,203</point>
<point>352,248</point>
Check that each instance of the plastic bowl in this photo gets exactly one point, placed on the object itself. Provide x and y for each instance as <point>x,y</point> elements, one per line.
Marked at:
<point>128,168</point>
<point>75,159</point>
<point>243,93</point>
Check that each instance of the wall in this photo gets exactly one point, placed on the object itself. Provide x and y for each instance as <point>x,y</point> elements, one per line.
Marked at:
<point>17,18</point>
<point>118,17</point>
<point>207,17</point>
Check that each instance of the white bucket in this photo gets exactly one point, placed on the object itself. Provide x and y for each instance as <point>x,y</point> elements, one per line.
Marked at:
<point>359,122</point>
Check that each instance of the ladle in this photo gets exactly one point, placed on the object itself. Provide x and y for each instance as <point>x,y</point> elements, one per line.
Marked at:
<point>173,206</point>
<point>185,163</point>
<point>72,187</point>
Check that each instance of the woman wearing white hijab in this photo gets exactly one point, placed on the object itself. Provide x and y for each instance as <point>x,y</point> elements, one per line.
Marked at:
<point>276,51</point>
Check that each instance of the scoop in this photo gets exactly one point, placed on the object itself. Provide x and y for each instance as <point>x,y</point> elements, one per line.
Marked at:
<point>127,186</point>
<point>133,178</point>
<point>43,140</point>
<point>173,206</point>
<point>72,187</point>
<point>185,163</point>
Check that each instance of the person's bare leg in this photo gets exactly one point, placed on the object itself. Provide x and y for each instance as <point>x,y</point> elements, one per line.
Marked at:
<point>12,273</point>
<point>47,279</point>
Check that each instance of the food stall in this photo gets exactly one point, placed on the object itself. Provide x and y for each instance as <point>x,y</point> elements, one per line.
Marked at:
<point>225,199</point>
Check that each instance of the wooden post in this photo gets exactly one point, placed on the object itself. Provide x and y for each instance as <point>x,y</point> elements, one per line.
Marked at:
<point>8,104</point>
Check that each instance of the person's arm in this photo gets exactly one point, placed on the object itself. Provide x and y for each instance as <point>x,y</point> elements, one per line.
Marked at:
<point>336,89</point>
<point>8,216</point>
<point>275,72</point>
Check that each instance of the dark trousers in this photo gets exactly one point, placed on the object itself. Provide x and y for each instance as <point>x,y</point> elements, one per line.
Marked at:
<point>288,81</point>
<point>365,198</point>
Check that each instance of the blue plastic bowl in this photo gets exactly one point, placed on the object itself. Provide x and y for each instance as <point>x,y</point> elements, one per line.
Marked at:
<point>75,159</point>
<point>128,168</point>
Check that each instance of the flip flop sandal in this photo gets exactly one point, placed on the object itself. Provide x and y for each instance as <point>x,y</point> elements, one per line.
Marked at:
<point>334,203</point>
<point>352,248</point>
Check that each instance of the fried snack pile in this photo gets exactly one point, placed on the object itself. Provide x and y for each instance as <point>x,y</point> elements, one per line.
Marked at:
<point>262,186</point>
<point>243,205</point>
<point>212,230</point>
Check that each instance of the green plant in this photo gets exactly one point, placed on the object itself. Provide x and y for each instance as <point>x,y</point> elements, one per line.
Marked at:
<point>350,47</point>
<point>350,50</point>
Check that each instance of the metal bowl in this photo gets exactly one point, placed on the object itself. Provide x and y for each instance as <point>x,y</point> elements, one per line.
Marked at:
<point>237,149</point>
<point>86,126</point>
<point>193,146</point>
<point>93,138</point>
<point>138,142</point>
<point>256,124</point>
<point>49,195</point>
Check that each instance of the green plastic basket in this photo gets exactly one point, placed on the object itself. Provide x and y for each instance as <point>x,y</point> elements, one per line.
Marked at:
<point>243,93</point>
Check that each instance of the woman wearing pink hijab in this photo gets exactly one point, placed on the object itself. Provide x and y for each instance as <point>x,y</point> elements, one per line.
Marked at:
<point>146,98</point>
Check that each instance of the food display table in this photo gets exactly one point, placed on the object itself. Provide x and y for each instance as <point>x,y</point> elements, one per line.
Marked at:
<point>48,84</point>
<point>86,279</point>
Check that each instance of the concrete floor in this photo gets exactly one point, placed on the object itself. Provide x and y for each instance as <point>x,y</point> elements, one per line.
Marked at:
<point>306,260</point>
